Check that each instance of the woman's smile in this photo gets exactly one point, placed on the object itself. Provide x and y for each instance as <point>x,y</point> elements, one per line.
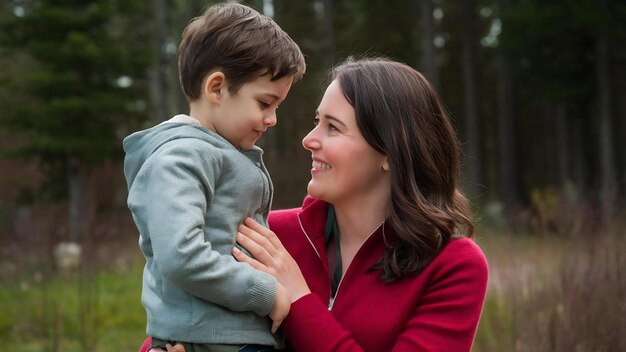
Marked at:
<point>318,165</point>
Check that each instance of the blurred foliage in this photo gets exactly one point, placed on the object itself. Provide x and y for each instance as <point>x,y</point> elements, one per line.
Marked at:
<point>77,79</point>
<point>82,74</point>
<point>77,76</point>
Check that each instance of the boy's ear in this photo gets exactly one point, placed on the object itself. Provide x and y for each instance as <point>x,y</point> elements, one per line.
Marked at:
<point>213,87</point>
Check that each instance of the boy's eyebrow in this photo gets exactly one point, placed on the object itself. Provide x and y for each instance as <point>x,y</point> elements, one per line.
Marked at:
<point>274,96</point>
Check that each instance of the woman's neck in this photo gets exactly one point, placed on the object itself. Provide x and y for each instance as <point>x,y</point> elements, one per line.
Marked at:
<point>357,220</point>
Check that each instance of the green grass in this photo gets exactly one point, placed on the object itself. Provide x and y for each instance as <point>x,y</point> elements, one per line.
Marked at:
<point>546,293</point>
<point>74,312</point>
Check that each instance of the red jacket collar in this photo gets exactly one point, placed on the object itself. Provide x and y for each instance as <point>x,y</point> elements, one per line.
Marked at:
<point>313,220</point>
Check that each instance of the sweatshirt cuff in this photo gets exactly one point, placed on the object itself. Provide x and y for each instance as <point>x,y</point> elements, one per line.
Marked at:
<point>262,294</point>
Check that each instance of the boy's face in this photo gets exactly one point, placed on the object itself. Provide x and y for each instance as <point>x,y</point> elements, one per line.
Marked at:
<point>242,118</point>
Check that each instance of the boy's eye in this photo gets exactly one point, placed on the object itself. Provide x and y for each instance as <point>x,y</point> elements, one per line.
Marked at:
<point>263,104</point>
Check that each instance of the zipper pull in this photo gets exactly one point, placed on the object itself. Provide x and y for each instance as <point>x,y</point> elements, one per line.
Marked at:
<point>330,303</point>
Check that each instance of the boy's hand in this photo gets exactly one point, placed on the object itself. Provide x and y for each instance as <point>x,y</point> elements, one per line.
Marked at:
<point>281,306</point>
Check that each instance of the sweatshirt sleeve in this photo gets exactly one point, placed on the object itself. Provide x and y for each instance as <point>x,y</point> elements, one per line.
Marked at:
<point>170,198</point>
<point>445,319</point>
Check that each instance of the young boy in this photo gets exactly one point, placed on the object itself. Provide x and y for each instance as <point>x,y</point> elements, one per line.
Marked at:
<point>194,178</point>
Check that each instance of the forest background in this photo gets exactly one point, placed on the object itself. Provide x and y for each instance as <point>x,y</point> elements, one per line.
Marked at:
<point>536,89</point>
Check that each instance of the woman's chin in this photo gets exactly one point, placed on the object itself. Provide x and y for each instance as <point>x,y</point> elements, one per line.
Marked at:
<point>314,191</point>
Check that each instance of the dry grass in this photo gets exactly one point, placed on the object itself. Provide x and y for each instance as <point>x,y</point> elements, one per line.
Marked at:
<point>556,284</point>
<point>555,293</point>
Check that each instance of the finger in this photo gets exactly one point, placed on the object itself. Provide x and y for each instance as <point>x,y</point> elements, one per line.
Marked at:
<point>242,257</point>
<point>258,250</point>
<point>253,224</point>
<point>264,231</point>
<point>258,238</point>
<point>176,348</point>
<point>276,325</point>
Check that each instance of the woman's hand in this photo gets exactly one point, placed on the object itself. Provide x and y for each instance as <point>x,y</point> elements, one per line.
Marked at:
<point>271,257</point>
<point>280,309</point>
<point>170,348</point>
<point>175,348</point>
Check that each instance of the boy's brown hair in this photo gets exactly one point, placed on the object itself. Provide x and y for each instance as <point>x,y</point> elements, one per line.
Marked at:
<point>240,42</point>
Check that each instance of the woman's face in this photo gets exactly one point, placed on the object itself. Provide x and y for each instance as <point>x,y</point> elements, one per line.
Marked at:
<point>345,167</point>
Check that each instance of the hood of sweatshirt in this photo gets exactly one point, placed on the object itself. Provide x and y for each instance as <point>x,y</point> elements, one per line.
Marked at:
<point>140,145</point>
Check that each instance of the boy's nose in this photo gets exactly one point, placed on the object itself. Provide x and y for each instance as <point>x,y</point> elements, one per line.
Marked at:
<point>270,119</point>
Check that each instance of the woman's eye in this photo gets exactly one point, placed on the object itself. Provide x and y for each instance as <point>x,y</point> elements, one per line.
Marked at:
<point>316,121</point>
<point>332,127</point>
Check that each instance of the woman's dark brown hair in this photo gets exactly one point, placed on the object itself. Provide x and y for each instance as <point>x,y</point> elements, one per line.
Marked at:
<point>241,43</point>
<point>400,115</point>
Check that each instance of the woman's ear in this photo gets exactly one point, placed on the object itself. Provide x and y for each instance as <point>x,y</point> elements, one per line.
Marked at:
<point>385,165</point>
<point>213,87</point>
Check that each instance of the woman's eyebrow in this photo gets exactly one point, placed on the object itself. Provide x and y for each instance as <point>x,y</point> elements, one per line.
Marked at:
<point>332,118</point>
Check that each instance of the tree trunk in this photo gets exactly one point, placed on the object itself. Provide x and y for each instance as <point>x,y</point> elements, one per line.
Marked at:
<point>472,124</point>
<point>267,7</point>
<point>562,143</point>
<point>607,168</point>
<point>506,134</point>
<point>185,11</point>
<point>578,160</point>
<point>429,55</point>
<point>507,157</point>
<point>329,31</point>
<point>158,77</point>
<point>76,177</point>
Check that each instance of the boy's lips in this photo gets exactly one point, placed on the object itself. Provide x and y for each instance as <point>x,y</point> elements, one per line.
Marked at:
<point>259,133</point>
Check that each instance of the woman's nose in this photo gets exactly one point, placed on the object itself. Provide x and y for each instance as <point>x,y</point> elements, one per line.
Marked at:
<point>310,141</point>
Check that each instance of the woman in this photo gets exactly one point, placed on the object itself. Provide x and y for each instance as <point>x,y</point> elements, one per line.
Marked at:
<point>378,258</point>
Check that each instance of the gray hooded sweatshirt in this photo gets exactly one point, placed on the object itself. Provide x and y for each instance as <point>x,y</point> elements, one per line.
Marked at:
<point>188,190</point>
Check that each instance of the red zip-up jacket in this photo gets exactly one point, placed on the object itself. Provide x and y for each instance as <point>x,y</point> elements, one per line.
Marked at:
<point>436,310</point>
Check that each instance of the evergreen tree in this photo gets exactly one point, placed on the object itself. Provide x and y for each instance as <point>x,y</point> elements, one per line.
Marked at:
<point>82,84</point>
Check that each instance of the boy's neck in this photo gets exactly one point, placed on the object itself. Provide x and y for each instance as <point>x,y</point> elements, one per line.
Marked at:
<point>201,112</point>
